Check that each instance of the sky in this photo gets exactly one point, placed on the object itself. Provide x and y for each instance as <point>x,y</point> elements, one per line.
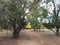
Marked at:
<point>50,6</point>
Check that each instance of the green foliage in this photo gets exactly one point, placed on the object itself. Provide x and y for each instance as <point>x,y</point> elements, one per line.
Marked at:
<point>14,11</point>
<point>43,12</point>
<point>49,25</point>
<point>38,12</point>
<point>11,12</point>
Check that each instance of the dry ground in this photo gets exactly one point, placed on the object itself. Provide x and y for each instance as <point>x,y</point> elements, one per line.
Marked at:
<point>30,38</point>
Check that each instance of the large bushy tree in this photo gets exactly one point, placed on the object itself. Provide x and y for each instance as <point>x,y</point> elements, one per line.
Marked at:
<point>13,12</point>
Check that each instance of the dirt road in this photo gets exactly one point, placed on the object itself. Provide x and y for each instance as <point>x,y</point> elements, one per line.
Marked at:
<point>31,38</point>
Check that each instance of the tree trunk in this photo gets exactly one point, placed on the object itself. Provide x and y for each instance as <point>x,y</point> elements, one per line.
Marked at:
<point>17,31</point>
<point>56,14</point>
<point>57,31</point>
<point>17,28</point>
<point>16,34</point>
<point>35,29</point>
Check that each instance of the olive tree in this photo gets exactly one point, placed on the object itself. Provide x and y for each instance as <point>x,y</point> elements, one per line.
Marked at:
<point>13,12</point>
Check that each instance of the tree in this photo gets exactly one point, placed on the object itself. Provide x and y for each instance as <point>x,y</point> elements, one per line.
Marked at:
<point>13,16</point>
<point>13,12</point>
<point>55,15</point>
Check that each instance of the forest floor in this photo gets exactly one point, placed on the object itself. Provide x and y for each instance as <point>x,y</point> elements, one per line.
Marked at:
<point>28,37</point>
